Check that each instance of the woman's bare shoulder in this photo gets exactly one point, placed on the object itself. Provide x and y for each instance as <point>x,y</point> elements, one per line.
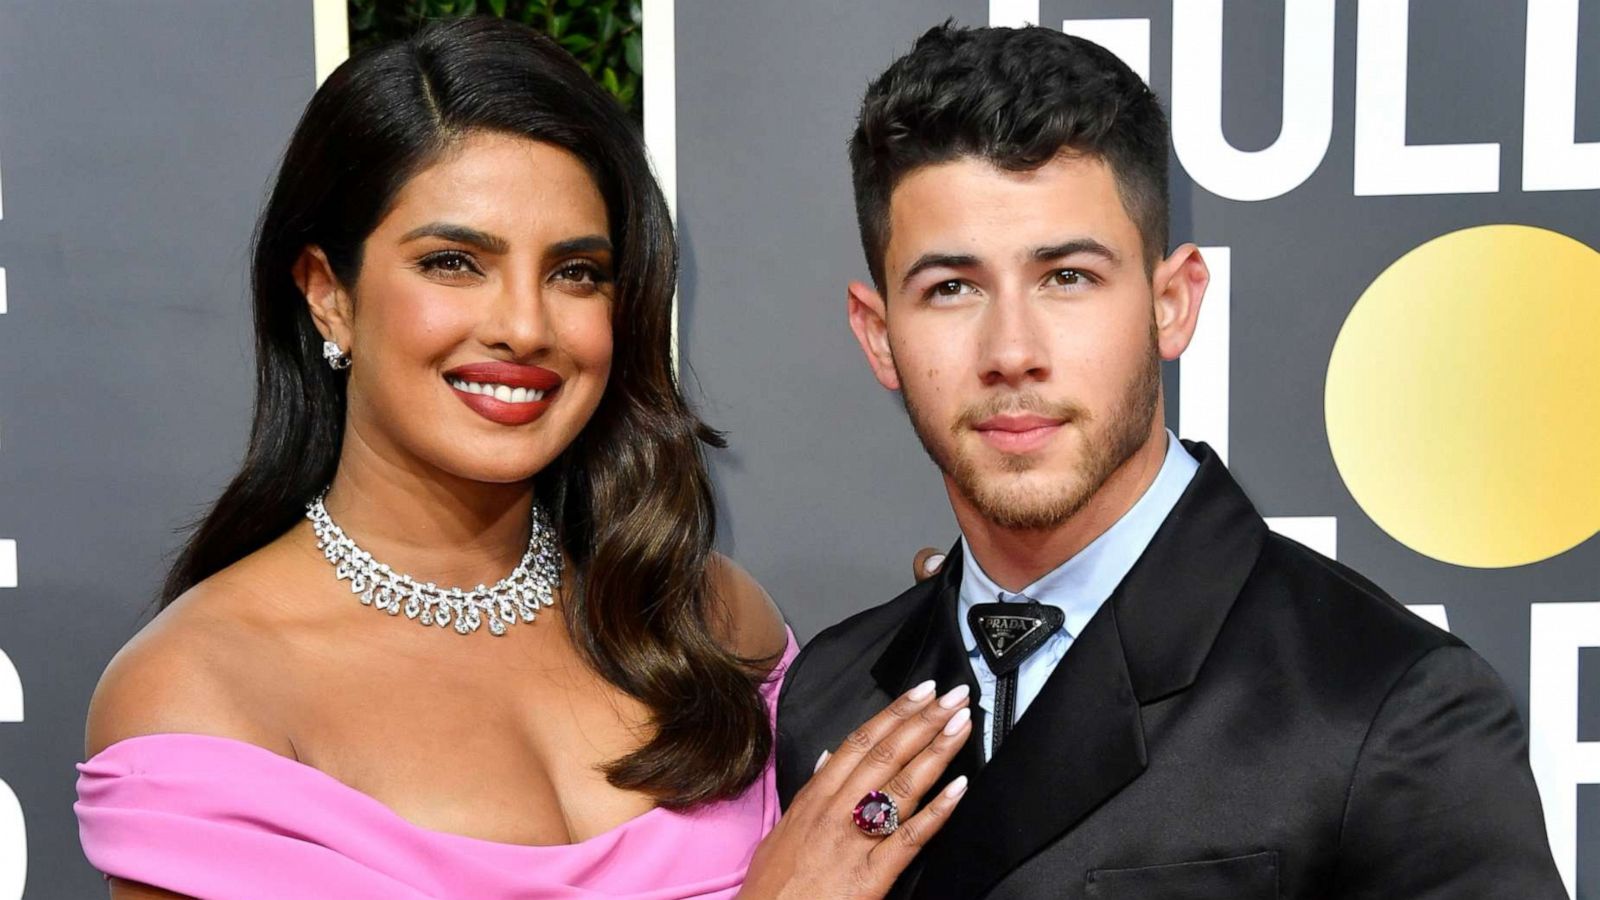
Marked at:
<point>199,667</point>
<point>754,628</point>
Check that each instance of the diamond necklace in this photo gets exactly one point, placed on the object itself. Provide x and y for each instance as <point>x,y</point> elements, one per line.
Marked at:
<point>517,597</point>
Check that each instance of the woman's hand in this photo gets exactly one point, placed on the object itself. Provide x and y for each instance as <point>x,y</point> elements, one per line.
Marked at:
<point>927,563</point>
<point>816,851</point>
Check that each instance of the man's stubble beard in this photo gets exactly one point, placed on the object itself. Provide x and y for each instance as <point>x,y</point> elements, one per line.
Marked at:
<point>1011,504</point>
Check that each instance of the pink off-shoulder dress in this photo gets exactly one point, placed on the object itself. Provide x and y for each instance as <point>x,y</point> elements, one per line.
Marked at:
<point>212,817</point>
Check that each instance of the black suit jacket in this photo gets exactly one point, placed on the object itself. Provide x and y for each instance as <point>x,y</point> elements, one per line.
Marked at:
<point>1242,719</point>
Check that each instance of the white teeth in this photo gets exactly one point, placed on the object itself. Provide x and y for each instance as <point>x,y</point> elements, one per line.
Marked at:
<point>502,392</point>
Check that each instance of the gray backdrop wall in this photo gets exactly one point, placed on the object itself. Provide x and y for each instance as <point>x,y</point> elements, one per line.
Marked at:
<point>1304,191</point>
<point>136,140</point>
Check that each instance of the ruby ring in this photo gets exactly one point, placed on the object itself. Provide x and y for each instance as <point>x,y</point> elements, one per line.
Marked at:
<point>876,814</point>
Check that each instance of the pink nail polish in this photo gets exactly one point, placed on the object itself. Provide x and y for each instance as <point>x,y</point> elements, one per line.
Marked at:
<point>956,788</point>
<point>954,695</point>
<point>957,721</point>
<point>921,692</point>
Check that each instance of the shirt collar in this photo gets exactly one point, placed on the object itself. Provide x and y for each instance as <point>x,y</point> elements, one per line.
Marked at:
<point>1081,584</point>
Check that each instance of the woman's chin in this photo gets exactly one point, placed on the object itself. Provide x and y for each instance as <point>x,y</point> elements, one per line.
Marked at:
<point>492,468</point>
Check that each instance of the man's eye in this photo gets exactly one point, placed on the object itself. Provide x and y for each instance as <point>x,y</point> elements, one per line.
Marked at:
<point>1068,278</point>
<point>950,288</point>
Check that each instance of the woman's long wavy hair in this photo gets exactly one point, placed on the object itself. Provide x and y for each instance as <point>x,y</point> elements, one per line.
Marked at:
<point>631,496</point>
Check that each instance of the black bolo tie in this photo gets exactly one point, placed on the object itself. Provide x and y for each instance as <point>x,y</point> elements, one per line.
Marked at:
<point>1007,634</point>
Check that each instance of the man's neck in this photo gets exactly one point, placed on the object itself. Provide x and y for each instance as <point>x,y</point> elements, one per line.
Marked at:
<point>1015,558</point>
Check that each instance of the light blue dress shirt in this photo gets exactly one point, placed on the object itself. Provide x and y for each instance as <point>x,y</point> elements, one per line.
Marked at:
<point>1078,586</point>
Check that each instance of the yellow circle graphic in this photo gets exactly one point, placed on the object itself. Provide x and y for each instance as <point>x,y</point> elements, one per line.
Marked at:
<point>1463,397</point>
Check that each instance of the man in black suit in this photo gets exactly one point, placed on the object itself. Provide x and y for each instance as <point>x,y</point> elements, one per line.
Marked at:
<point>1174,702</point>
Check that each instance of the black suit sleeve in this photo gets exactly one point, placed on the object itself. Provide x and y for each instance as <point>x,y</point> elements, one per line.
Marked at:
<point>1442,803</point>
<point>792,738</point>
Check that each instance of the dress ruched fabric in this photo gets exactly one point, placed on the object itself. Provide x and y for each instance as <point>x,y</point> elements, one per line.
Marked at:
<point>213,817</point>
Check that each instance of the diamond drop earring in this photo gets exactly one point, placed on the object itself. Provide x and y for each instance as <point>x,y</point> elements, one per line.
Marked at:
<point>337,358</point>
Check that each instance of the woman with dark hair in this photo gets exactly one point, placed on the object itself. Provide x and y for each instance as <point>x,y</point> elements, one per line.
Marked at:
<point>463,284</point>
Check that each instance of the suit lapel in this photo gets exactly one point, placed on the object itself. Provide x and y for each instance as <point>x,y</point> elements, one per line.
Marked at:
<point>1080,742</point>
<point>1173,601</point>
<point>1082,739</point>
<point>928,645</point>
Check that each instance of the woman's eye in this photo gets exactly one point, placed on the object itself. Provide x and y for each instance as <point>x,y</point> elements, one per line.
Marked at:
<point>577,273</point>
<point>449,262</point>
<point>582,274</point>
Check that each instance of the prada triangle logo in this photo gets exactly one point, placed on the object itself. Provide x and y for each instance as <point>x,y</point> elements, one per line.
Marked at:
<point>1008,633</point>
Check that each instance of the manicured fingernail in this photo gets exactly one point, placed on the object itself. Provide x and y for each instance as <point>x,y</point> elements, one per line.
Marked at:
<point>953,696</point>
<point>932,563</point>
<point>921,692</point>
<point>821,761</point>
<point>957,721</point>
<point>956,788</point>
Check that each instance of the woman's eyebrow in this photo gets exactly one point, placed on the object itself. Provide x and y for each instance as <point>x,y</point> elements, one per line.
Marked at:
<point>460,233</point>
<point>594,243</point>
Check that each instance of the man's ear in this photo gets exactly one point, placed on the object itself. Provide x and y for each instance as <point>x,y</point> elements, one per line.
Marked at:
<point>329,304</point>
<point>1179,284</point>
<point>869,319</point>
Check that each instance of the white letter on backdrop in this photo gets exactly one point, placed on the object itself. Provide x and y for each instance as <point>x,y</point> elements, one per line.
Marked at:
<point>13,827</point>
<point>1385,164</point>
<point>1197,102</point>
<point>1552,159</point>
<point>1560,761</point>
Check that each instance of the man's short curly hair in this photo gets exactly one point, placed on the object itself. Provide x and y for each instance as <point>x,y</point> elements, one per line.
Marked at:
<point>1016,97</point>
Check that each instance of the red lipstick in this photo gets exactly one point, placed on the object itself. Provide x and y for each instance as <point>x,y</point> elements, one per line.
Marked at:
<point>533,378</point>
<point>485,376</point>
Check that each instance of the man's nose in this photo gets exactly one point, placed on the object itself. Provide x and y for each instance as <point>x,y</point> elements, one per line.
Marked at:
<point>1012,342</point>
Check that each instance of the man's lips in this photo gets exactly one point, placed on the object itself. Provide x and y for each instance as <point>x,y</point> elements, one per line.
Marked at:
<point>1017,432</point>
<point>1016,422</point>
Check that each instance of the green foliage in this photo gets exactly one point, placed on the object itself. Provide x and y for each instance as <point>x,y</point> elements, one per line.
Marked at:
<point>604,35</point>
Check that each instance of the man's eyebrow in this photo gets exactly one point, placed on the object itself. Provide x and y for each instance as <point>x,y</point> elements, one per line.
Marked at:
<point>938,260</point>
<point>593,243</point>
<point>459,233</point>
<point>1075,247</point>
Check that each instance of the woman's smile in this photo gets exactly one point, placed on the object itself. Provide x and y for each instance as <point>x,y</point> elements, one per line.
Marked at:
<point>504,393</point>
